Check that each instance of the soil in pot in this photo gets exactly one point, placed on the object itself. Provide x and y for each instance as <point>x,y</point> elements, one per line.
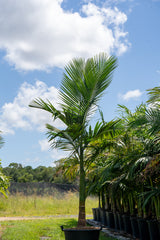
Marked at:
<point>85,233</point>
<point>153,229</point>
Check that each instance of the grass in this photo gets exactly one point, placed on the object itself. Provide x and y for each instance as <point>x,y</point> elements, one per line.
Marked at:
<point>20,205</point>
<point>33,230</point>
<point>66,204</point>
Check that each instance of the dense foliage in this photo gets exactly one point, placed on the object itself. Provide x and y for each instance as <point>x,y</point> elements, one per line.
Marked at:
<point>128,172</point>
<point>4,180</point>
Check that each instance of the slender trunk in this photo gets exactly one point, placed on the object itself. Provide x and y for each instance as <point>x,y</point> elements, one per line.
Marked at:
<point>82,195</point>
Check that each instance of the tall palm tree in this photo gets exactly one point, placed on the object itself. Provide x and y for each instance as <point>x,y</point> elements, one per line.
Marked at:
<point>83,84</point>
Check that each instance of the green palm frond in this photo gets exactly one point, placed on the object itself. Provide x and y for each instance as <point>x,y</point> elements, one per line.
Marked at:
<point>48,106</point>
<point>153,119</point>
<point>138,166</point>
<point>84,83</point>
<point>154,95</point>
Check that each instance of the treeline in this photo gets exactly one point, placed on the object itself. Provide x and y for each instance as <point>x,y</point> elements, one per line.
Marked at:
<point>17,173</point>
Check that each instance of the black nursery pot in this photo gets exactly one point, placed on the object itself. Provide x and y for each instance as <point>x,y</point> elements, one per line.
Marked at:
<point>106,223</point>
<point>159,227</point>
<point>94,214</point>
<point>103,216</point>
<point>143,229</point>
<point>81,234</point>
<point>121,223</point>
<point>116,222</point>
<point>127,224</point>
<point>98,214</point>
<point>110,219</point>
<point>153,229</point>
<point>135,228</point>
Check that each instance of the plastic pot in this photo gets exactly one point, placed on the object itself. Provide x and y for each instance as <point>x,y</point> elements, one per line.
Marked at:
<point>159,227</point>
<point>153,229</point>
<point>127,224</point>
<point>143,229</point>
<point>121,223</point>
<point>94,214</point>
<point>102,216</point>
<point>135,228</point>
<point>106,223</point>
<point>110,219</point>
<point>116,222</point>
<point>81,234</point>
<point>98,214</point>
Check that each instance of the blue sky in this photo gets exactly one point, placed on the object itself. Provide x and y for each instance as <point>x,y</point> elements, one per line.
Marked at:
<point>38,38</point>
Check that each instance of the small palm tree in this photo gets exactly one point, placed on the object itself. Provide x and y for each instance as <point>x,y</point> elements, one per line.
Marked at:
<point>83,84</point>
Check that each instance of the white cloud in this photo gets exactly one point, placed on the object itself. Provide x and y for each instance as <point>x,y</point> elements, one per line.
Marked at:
<point>44,144</point>
<point>38,34</point>
<point>131,95</point>
<point>18,114</point>
<point>55,154</point>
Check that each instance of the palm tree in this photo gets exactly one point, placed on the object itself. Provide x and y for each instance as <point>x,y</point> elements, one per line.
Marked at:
<point>83,85</point>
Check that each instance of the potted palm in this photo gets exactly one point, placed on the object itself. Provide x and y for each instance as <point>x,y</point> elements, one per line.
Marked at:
<point>83,84</point>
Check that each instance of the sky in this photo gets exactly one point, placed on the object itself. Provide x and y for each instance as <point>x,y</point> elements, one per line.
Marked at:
<point>38,38</point>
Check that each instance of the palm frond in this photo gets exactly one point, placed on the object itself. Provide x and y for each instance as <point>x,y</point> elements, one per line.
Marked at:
<point>154,95</point>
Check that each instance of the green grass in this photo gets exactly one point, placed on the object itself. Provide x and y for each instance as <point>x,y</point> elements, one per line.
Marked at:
<point>66,204</point>
<point>33,230</point>
<point>19,205</point>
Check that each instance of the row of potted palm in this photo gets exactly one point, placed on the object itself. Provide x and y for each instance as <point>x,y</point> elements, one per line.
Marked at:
<point>129,180</point>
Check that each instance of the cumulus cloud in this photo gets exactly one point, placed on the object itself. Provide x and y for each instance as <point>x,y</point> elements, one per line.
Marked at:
<point>55,154</point>
<point>17,114</point>
<point>44,144</point>
<point>131,95</point>
<point>38,34</point>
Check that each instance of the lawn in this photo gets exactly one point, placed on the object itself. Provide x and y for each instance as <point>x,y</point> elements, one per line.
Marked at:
<point>34,229</point>
<point>20,205</point>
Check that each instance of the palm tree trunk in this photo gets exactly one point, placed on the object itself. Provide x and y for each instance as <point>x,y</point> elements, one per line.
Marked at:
<point>82,195</point>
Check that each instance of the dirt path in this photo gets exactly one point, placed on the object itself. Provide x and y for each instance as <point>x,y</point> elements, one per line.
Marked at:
<point>2,219</point>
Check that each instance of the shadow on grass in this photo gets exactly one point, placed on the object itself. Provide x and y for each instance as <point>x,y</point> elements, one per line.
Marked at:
<point>70,223</point>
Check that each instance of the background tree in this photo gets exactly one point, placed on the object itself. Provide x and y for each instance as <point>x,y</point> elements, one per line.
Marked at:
<point>18,173</point>
<point>4,180</point>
